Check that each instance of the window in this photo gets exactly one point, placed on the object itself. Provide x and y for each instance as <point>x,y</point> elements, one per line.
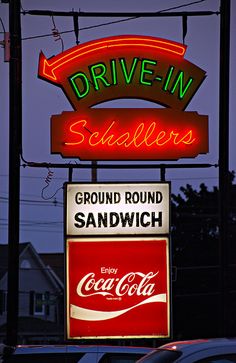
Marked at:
<point>44,358</point>
<point>39,303</point>
<point>25,264</point>
<point>161,356</point>
<point>121,358</point>
<point>39,306</point>
<point>224,358</point>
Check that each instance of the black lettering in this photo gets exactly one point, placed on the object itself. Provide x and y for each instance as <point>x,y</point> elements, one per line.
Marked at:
<point>128,197</point>
<point>151,197</point>
<point>86,198</point>
<point>117,197</point>
<point>78,198</point>
<point>127,219</point>
<point>78,218</point>
<point>108,198</point>
<point>135,197</point>
<point>90,220</point>
<point>102,220</point>
<point>143,224</point>
<point>94,198</point>
<point>114,219</point>
<point>159,197</point>
<point>157,219</point>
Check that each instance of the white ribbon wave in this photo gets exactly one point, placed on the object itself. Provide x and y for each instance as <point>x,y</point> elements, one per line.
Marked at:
<point>77,312</point>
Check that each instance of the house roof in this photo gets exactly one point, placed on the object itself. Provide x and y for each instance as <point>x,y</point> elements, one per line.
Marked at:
<point>55,261</point>
<point>55,276</point>
<point>4,256</point>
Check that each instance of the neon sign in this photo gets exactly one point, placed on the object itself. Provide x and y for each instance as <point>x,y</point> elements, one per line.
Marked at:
<point>128,66</point>
<point>48,68</point>
<point>98,77</point>
<point>144,134</point>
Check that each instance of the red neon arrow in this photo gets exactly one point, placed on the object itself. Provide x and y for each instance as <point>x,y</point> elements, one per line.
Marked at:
<point>49,67</point>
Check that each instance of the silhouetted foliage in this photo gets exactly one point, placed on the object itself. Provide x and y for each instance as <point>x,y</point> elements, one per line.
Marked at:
<point>195,226</point>
<point>196,261</point>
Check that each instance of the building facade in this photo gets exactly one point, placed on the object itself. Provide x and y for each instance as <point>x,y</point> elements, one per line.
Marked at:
<point>41,296</point>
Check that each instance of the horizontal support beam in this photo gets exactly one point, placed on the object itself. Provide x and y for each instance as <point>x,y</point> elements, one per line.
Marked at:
<point>118,15</point>
<point>116,166</point>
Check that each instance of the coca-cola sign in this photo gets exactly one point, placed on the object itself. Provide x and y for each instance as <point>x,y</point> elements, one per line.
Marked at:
<point>117,288</point>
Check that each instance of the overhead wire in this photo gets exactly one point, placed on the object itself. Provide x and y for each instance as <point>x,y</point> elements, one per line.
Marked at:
<point>60,178</point>
<point>30,177</point>
<point>38,230</point>
<point>48,180</point>
<point>111,22</point>
<point>35,202</point>
<point>32,223</point>
<point>3,27</point>
<point>56,34</point>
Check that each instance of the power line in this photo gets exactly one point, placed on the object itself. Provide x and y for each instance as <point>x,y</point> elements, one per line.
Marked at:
<point>22,194</point>
<point>58,178</point>
<point>34,223</point>
<point>3,27</point>
<point>158,13</point>
<point>39,231</point>
<point>130,15</point>
<point>31,177</point>
<point>52,203</point>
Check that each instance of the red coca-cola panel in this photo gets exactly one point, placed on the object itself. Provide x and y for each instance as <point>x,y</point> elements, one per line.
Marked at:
<point>118,288</point>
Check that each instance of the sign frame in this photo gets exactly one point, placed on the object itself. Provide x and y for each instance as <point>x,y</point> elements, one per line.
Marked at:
<point>114,232</point>
<point>121,240</point>
<point>114,134</point>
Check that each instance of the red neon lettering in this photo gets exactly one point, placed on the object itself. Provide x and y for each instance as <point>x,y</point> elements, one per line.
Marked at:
<point>50,66</point>
<point>84,122</point>
<point>140,136</point>
<point>186,139</point>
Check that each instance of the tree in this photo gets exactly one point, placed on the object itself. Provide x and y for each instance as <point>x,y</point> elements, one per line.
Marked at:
<point>195,260</point>
<point>195,228</point>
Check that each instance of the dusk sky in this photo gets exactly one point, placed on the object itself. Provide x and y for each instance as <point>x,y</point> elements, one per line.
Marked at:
<point>42,220</point>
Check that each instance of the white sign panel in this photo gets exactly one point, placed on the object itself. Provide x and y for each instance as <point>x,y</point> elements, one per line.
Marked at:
<point>113,209</point>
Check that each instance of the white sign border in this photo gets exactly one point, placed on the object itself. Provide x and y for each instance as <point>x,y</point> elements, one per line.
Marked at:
<point>121,240</point>
<point>126,231</point>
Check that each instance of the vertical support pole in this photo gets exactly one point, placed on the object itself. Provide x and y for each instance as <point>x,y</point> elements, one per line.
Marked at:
<point>94,171</point>
<point>15,126</point>
<point>70,177</point>
<point>163,173</point>
<point>224,155</point>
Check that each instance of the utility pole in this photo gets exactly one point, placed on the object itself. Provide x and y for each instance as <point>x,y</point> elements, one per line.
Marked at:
<point>224,157</point>
<point>15,126</point>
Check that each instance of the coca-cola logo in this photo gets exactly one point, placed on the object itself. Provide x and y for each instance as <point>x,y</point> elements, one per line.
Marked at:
<point>115,286</point>
<point>132,283</point>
